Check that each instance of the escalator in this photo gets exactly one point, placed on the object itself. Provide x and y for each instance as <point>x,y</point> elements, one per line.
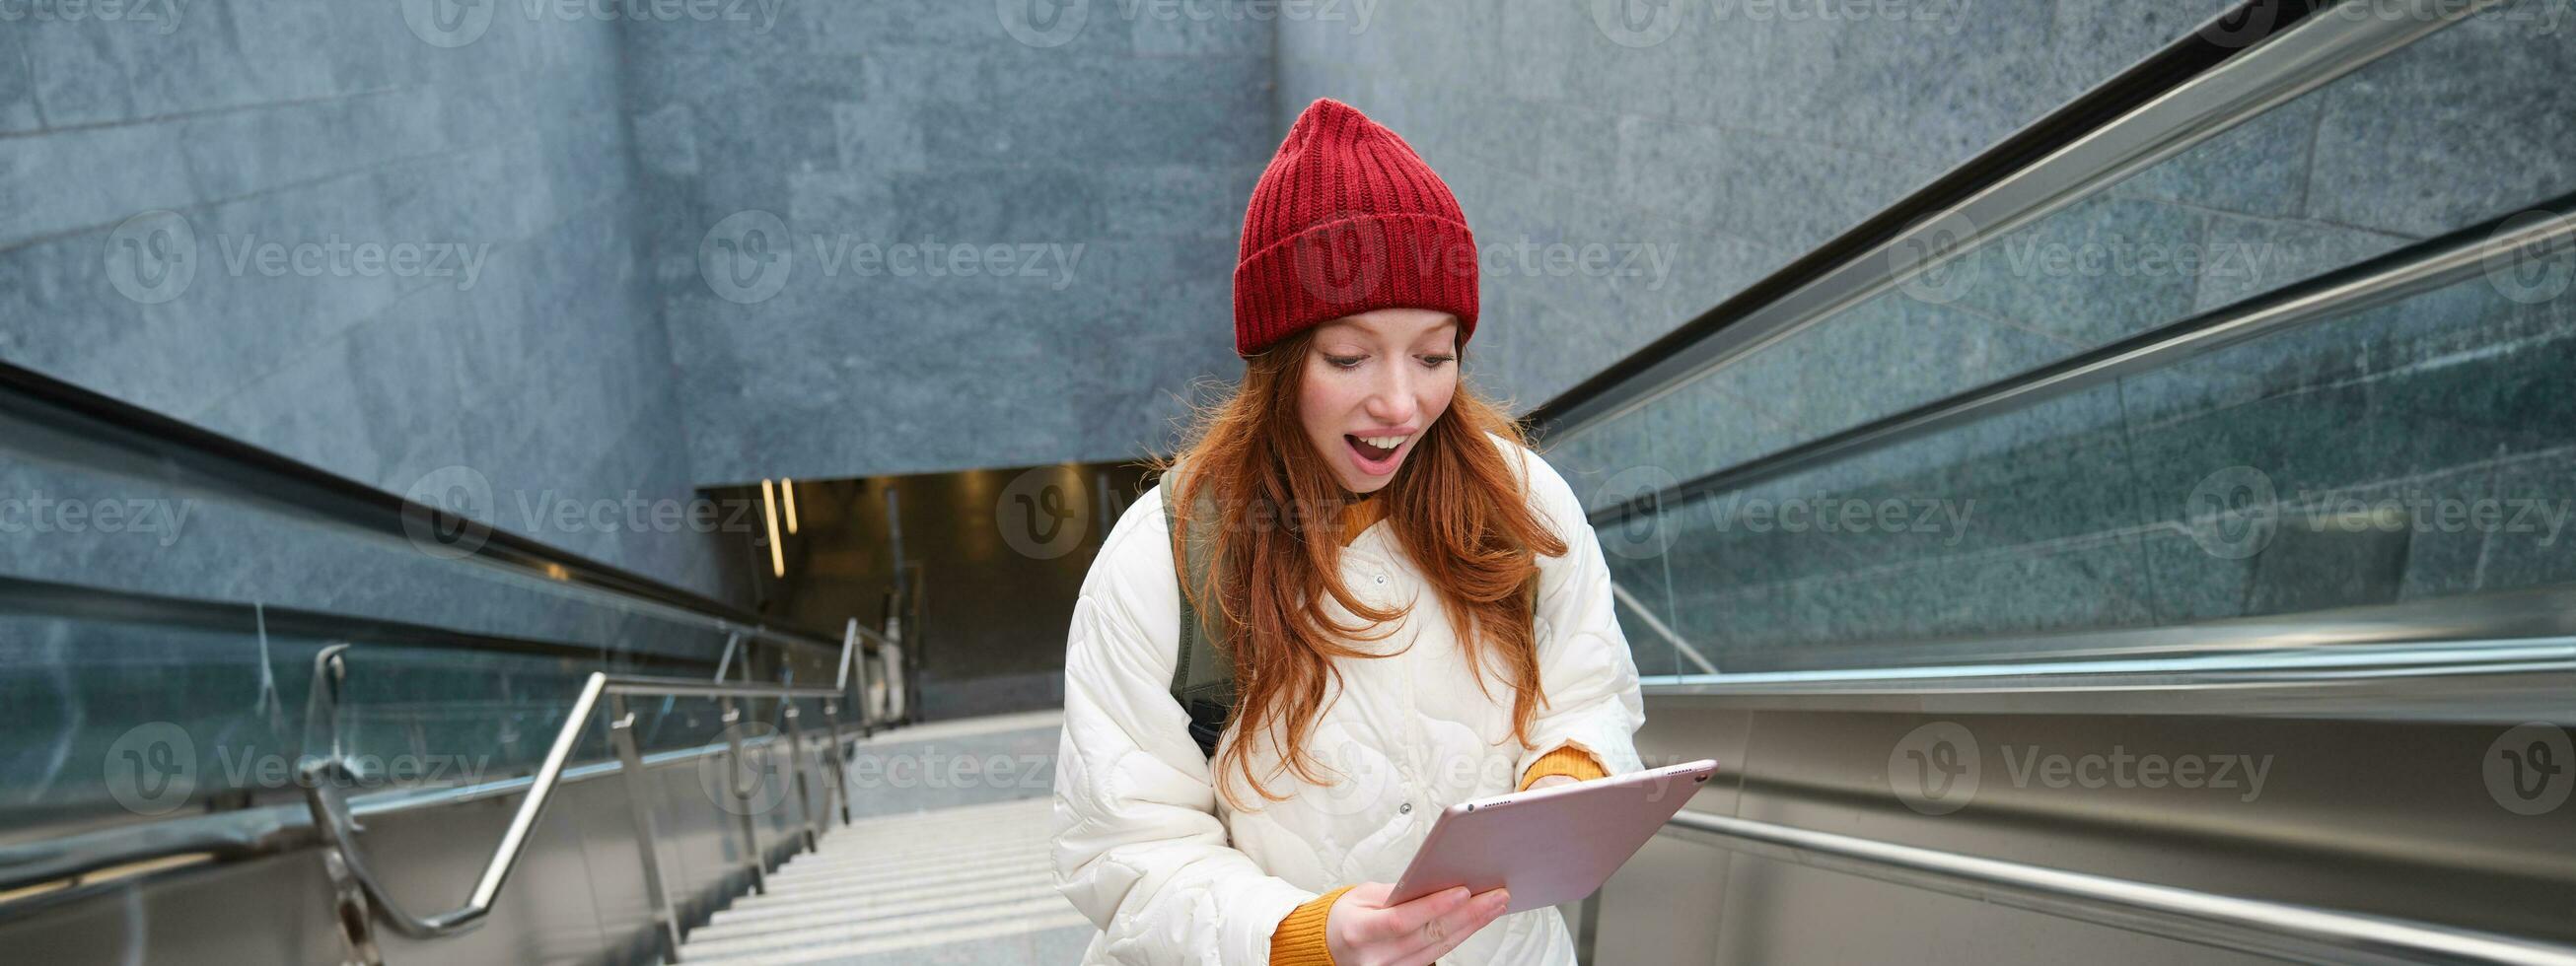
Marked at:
<point>2181,586</point>
<point>2142,544</point>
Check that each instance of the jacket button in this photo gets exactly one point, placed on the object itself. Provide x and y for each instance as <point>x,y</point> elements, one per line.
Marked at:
<point>1406,808</point>
<point>1381,578</point>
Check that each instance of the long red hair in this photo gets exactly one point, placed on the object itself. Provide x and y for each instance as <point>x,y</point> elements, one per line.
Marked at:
<point>1456,508</point>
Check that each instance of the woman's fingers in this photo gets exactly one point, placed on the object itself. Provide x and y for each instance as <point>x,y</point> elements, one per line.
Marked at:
<point>1444,931</point>
<point>1403,923</point>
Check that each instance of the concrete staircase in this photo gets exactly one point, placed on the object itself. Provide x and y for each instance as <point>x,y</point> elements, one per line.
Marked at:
<point>950,884</point>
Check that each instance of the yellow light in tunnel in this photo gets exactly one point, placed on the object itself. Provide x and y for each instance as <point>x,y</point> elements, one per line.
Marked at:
<point>769,510</point>
<point>787,495</point>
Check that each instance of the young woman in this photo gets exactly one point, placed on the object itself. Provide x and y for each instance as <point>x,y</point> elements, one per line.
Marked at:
<point>1417,609</point>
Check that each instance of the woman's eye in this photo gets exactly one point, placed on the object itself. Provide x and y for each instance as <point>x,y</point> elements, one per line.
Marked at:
<point>1436,362</point>
<point>1341,362</point>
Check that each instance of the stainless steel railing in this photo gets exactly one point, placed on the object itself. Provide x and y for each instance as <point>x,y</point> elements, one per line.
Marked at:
<point>360,895</point>
<point>2279,930</point>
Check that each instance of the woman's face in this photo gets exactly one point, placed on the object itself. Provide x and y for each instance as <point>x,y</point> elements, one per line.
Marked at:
<point>1377,377</point>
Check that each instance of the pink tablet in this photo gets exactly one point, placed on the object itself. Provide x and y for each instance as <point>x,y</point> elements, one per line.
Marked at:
<point>1549,845</point>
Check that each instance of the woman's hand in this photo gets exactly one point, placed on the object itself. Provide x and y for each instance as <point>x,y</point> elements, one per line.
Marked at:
<point>1362,930</point>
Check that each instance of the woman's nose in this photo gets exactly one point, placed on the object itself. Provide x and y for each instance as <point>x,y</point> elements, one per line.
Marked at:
<point>1392,399</point>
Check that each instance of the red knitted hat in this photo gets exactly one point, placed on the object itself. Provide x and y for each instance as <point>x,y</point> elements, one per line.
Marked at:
<point>1345,220</point>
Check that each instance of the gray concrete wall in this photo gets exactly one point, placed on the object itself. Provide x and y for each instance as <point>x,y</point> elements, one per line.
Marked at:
<point>542,370</point>
<point>1118,144</point>
<point>1721,138</point>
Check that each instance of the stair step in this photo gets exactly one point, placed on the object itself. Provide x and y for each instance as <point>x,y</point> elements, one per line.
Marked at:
<point>967,884</point>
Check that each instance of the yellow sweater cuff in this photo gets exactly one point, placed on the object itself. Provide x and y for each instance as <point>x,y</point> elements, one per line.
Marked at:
<point>1569,761</point>
<point>1299,940</point>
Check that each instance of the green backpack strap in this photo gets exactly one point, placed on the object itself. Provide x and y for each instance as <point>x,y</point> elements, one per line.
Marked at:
<point>1203,678</point>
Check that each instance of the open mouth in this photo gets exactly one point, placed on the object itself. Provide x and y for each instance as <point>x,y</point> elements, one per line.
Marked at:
<point>1374,459</point>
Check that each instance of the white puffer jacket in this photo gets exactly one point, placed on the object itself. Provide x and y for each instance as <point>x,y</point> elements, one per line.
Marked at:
<point>1146,848</point>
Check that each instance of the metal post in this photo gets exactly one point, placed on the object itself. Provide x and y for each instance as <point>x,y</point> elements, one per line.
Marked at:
<point>742,797</point>
<point>840,761</point>
<point>796,759</point>
<point>648,841</point>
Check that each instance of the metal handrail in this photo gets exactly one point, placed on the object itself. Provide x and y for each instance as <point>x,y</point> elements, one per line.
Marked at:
<point>2276,929</point>
<point>2425,266</point>
<point>322,779</point>
<point>361,894</point>
<point>99,430</point>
